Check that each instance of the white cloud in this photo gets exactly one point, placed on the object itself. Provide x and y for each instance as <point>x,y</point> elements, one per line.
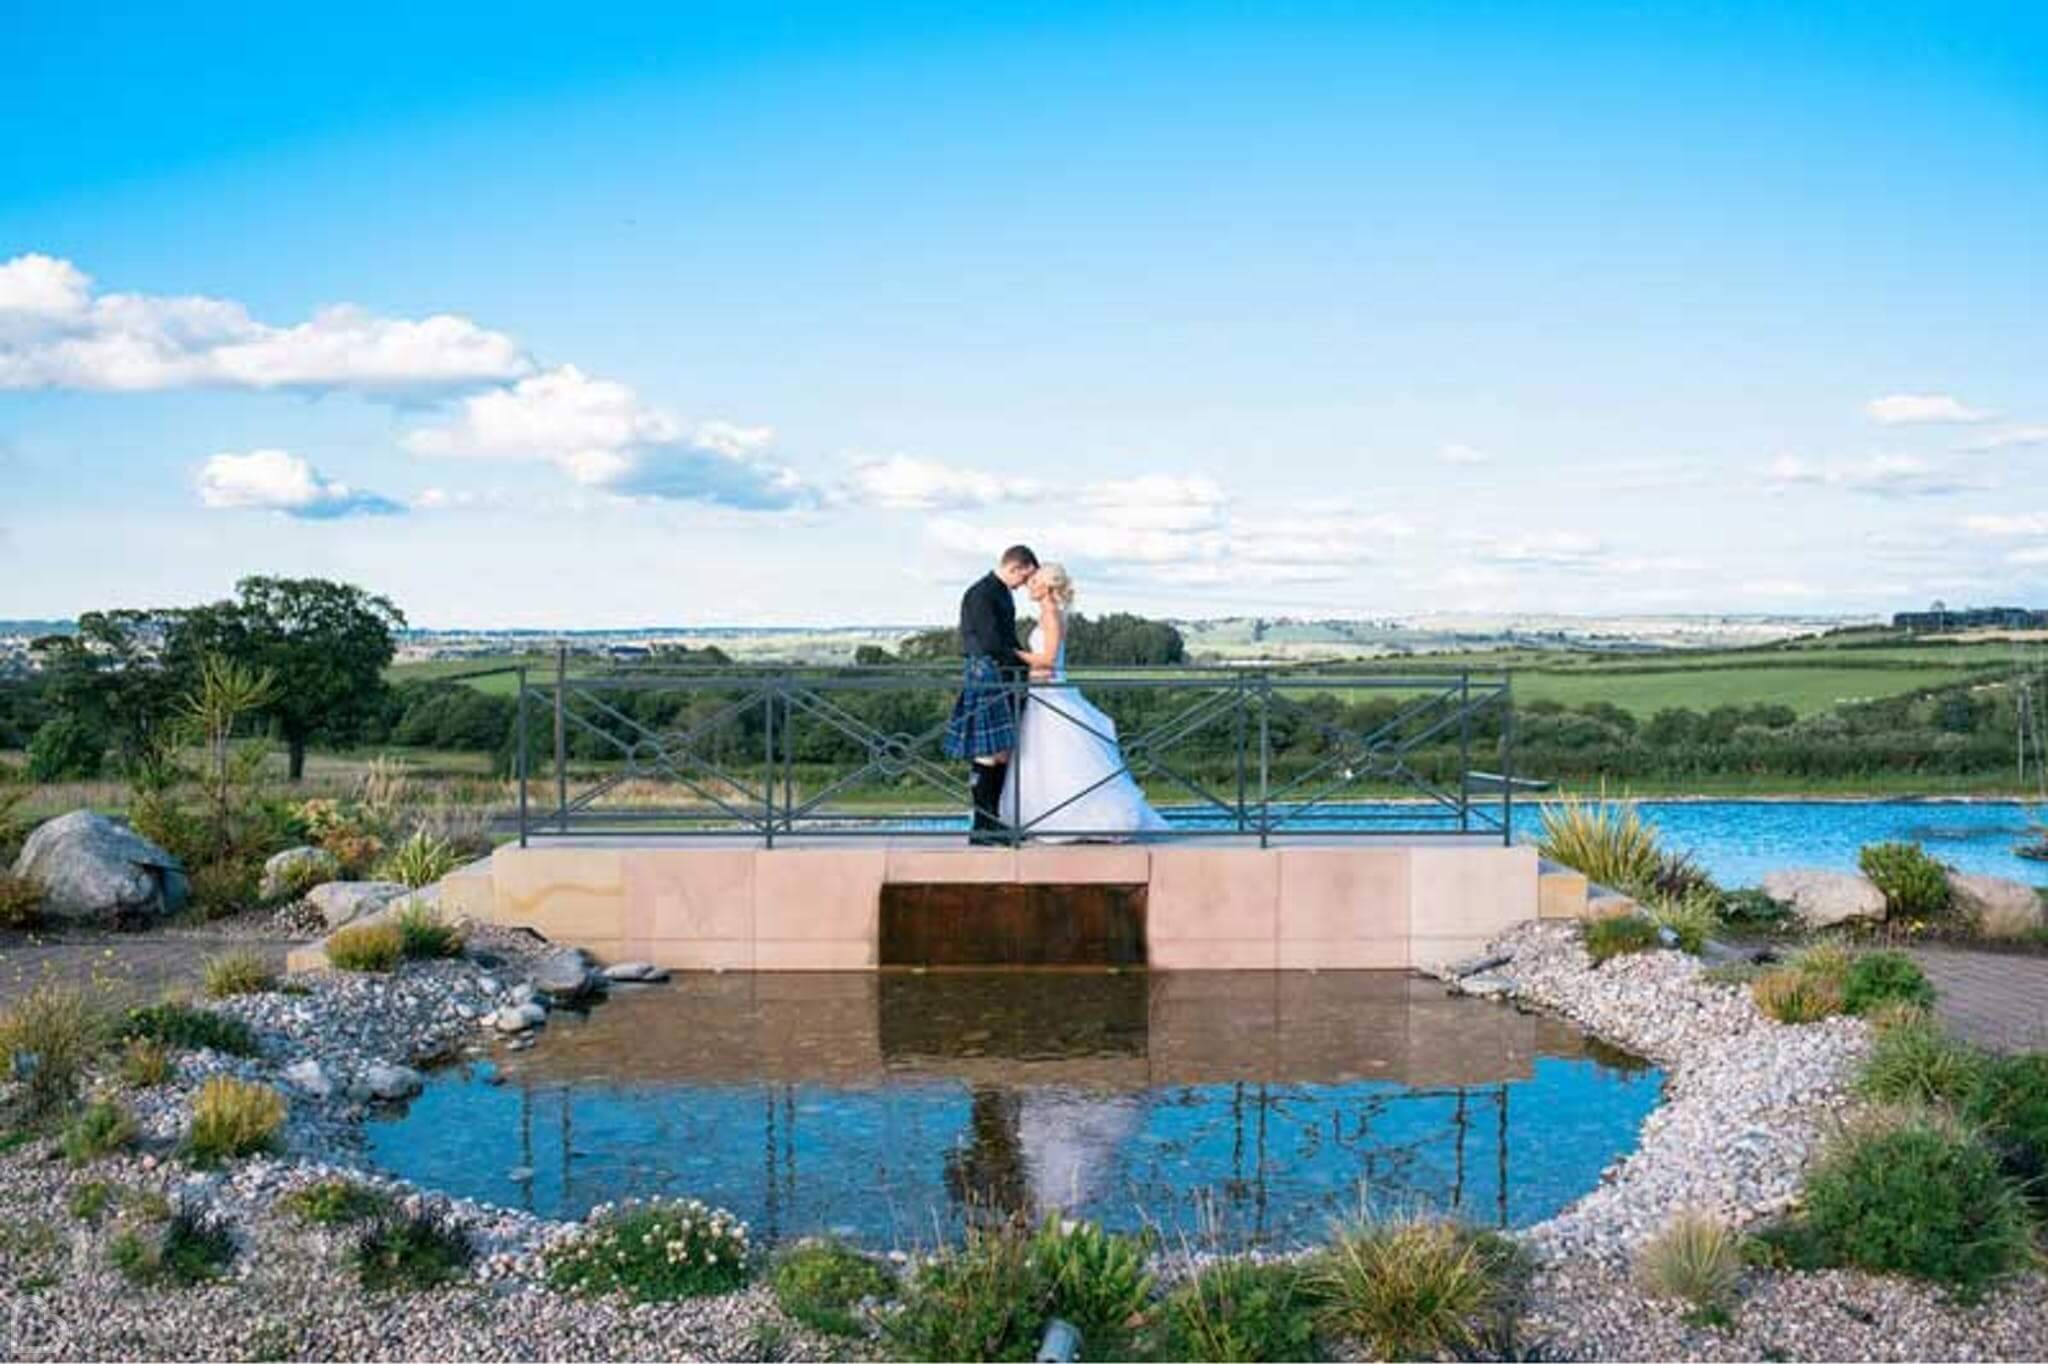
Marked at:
<point>2005,525</point>
<point>2011,437</point>
<point>279,481</point>
<point>907,483</point>
<point>2036,555</point>
<point>1877,475</point>
<point>1911,409</point>
<point>601,434</point>
<point>1462,454</point>
<point>1547,549</point>
<point>56,333</point>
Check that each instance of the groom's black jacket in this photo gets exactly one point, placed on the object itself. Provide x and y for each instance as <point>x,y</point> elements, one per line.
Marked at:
<point>988,622</point>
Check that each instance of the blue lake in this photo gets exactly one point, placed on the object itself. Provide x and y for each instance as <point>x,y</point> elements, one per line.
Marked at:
<point>1239,1109</point>
<point>1739,840</point>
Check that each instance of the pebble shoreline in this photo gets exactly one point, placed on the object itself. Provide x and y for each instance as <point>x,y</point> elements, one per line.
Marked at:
<point>1747,1102</point>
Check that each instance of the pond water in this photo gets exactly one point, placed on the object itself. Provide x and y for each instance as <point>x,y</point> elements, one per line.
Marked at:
<point>1239,1108</point>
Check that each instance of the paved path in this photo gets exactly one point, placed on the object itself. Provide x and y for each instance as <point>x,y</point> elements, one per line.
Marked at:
<point>1994,999</point>
<point>137,967</point>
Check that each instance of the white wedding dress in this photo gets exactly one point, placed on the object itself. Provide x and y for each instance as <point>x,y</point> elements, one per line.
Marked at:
<point>1067,779</point>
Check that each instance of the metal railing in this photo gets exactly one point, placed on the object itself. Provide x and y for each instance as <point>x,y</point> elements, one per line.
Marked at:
<point>770,754</point>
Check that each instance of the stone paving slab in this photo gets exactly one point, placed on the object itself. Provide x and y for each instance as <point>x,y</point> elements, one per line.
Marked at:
<point>1994,999</point>
<point>135,967</point>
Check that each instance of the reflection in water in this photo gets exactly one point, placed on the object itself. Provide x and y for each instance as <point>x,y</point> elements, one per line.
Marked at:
<point>1254,1107</point>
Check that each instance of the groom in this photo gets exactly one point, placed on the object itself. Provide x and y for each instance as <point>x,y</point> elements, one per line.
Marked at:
<point>984,723</point>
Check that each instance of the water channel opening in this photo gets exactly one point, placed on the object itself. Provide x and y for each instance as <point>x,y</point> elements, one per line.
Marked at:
<point>891,1108</point>
<point>1007,924</point>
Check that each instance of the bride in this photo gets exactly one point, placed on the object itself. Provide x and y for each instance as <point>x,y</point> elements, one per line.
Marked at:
<point>1067,780</point>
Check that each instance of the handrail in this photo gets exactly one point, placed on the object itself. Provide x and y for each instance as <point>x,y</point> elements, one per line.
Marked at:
<point>768,753</point>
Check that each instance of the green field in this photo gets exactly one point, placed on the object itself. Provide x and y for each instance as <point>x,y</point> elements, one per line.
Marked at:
<point>1807,675</point>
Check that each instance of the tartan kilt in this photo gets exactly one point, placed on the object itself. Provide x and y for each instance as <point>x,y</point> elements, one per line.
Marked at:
<point>984,719</point>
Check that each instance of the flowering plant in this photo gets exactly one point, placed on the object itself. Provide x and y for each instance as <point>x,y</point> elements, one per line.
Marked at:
<point>654,1250</point>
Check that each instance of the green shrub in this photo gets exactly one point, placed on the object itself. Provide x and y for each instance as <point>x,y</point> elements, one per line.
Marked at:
<point>1827,960</point>
<point>49,1036</point>
<point>177,1024</point>
<point>1752,909</point>
<point>1240,1310</point>
<point>190,1247</point>
<point>1878,978</point>
<point>2010,1104</point>
<point>821,1285</point>
<point>225,885</point>
<point>366,947</point>
<point>1915,886</point>
<point>145,1062</point>
<point>1412,1288</point>
<point>1695,1258</point>
<point>101,1130</point>
<point>1093,1278</point>
<point>984,1300</point>
<point>419,861</point>
<point>233,1118</point>
<point>404,1254</point>
<point>1691,918</point>
<point>1793,996</point>
<point>331,1202</point>
<point>90,1199</point>
<point>1919,1063</point>
<point>1606,840</point>
<point>65,749</point>
<point>422,932</point>
<point>241,972</point>
<point>1619,934</point>
<point>21,901</point>
<point>654,1251</point>
<point>1918,1194</point>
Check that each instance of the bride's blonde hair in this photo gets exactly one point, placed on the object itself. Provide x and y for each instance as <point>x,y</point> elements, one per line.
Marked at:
<point>1057,583</point>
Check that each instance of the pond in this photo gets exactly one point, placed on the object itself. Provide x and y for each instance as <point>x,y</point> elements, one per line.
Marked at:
<point>1235,1109</point>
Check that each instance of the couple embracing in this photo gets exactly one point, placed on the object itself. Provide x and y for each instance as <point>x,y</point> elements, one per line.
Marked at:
<point>1047,763</point>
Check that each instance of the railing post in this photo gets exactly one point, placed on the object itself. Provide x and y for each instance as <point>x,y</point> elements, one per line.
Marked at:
<point>1265,757</point>
<point>769,689</point>
<point>561,736</point>
<point>1465,751</point>
<point>1507,763</point>
<point>520,764</point>
<point>1242,736</point>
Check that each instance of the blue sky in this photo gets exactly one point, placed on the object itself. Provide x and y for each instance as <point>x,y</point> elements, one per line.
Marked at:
<point>789,313</point>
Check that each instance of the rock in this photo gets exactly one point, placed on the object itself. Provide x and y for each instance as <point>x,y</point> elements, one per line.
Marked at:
<point>1472,966</point>
<point>307,1077</point>
<point>636,972</point>
<point>2002,907</point>
<point>294,869</point>
<point>94,869</point>
<point>519,1017</point>
<point>388,1082</point>
<point>1821,898</point>
<point>344,902</point>
<point>567,976</point>
<point>522,993</point>
<point>1485,986</point>
<point>488,985</point>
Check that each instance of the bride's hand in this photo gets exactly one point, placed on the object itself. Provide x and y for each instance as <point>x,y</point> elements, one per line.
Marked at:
<point>1041,674</point>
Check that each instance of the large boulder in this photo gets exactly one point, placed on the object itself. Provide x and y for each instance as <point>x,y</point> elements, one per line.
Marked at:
<point>567,976</point>
<point>1822,898</point>
<point>97,870</point>
<point>294,869</point>
<point>2001,907</point>
<point>344,902</point>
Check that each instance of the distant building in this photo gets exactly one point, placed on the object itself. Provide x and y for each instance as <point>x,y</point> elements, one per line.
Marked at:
<point>1941,617</point>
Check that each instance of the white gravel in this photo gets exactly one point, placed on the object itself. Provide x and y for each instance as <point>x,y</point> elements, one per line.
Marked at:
<point>1748,1102</point>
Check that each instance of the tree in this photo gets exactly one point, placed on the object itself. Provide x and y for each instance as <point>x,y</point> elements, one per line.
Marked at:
<point>326,643</point>
<point>114,677</point>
